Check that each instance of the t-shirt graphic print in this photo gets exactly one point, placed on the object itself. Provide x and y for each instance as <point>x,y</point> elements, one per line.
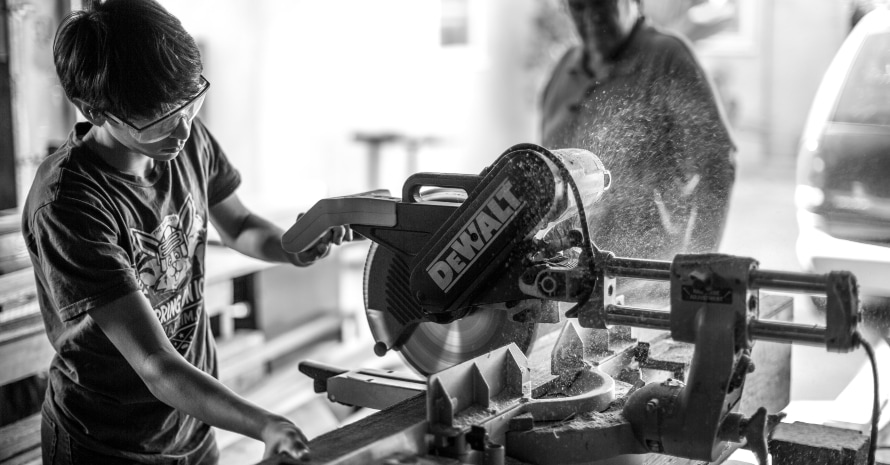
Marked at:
<point>169,263</point>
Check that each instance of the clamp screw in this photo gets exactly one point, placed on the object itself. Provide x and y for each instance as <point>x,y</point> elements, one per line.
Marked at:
<point>380,349</point>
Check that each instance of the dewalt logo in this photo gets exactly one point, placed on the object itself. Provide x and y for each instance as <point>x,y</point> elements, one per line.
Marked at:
<point>478,233</point>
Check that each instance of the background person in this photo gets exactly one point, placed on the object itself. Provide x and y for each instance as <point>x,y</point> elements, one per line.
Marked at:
<point>637,97</point>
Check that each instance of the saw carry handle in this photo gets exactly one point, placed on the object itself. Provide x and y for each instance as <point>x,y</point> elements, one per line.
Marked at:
<point>411,188</point>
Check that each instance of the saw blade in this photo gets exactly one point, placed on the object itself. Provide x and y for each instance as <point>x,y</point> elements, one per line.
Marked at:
<point>433,347</point>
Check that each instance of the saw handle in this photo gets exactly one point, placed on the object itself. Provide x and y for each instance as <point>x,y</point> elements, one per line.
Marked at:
<point>411,188</point>
<point>375,208</point>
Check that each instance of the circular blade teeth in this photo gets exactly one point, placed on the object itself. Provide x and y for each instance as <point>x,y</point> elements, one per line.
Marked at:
<point>434,347</point>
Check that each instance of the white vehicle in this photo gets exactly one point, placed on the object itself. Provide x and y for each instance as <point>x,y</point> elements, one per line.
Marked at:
<point>843,166</point>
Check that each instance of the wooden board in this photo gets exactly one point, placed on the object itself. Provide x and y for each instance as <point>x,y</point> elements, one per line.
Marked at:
<point>806,444</point>
<point>19,440</point>
<point>24,352</point>
<point>372,438</point>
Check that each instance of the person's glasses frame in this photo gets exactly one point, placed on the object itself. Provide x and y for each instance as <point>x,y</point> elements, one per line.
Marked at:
<point>150,130</point>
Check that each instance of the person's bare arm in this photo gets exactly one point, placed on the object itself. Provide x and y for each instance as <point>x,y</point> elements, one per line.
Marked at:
<point>131,325</point>
<point>257,237</point>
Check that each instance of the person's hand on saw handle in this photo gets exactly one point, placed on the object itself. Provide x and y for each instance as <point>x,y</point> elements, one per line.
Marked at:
<point>283,438</point>
<point>322,246</point>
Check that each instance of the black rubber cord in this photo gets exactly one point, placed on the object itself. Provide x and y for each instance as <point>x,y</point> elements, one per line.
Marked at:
<point>876,407</point>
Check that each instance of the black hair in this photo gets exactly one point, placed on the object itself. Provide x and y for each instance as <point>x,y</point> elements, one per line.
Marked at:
<point>126,57</point>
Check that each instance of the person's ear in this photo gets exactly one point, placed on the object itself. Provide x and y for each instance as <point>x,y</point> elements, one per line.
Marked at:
<point>90,113</point>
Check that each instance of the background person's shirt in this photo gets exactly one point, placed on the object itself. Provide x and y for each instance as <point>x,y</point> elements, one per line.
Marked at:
<point>95,234</point>
<point>656,124</point>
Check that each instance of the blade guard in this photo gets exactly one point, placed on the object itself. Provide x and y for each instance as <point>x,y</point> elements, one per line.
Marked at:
<point>521,193</point>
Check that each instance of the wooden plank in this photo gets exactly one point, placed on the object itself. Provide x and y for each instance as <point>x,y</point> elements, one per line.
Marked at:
<point>222,263</point>
<point>807,444</point>
<point>287,390</point>
<point>243,340</point>
<point>31,457</point>
<point>324,327</point>
<point>18,302</point>
<point>375,437</point>
<point>19,437</point>
<point>26,355</point>
<point>239,345</point>
<point>16,282</point>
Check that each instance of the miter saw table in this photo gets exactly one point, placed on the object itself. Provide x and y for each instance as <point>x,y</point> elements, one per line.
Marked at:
<point>466,272</point>
<point>399,430</point>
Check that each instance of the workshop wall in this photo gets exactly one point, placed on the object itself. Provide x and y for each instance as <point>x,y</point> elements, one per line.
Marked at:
<point>794,81</point>
<point>294,81</point>
<point>768,66</point>
<point>299,79</point>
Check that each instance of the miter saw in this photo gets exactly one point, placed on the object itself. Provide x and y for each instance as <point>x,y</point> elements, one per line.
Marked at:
<point>441,279</point>
<point>464,269</point>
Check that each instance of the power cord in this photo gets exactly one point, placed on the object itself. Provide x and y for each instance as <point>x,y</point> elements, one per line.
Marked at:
<point>876,407</point>
<point>576,193</point>
<point>586,243</point>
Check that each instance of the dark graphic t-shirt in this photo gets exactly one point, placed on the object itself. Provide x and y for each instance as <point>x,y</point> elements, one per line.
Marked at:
<point>95,234</point>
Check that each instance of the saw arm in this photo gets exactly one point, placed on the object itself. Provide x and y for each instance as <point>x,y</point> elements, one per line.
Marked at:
<point>430,289</point>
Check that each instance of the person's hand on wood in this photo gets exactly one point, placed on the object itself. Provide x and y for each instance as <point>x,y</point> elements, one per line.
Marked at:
<point>282,437</point>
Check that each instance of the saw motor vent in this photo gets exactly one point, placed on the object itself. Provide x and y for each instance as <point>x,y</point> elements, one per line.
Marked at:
<point>401,304</point>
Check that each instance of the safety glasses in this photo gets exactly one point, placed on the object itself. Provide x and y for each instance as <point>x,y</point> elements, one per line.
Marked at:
<point>166,124</point>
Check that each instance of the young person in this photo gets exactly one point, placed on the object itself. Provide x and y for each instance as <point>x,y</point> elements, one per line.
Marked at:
<point>116,226</point>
